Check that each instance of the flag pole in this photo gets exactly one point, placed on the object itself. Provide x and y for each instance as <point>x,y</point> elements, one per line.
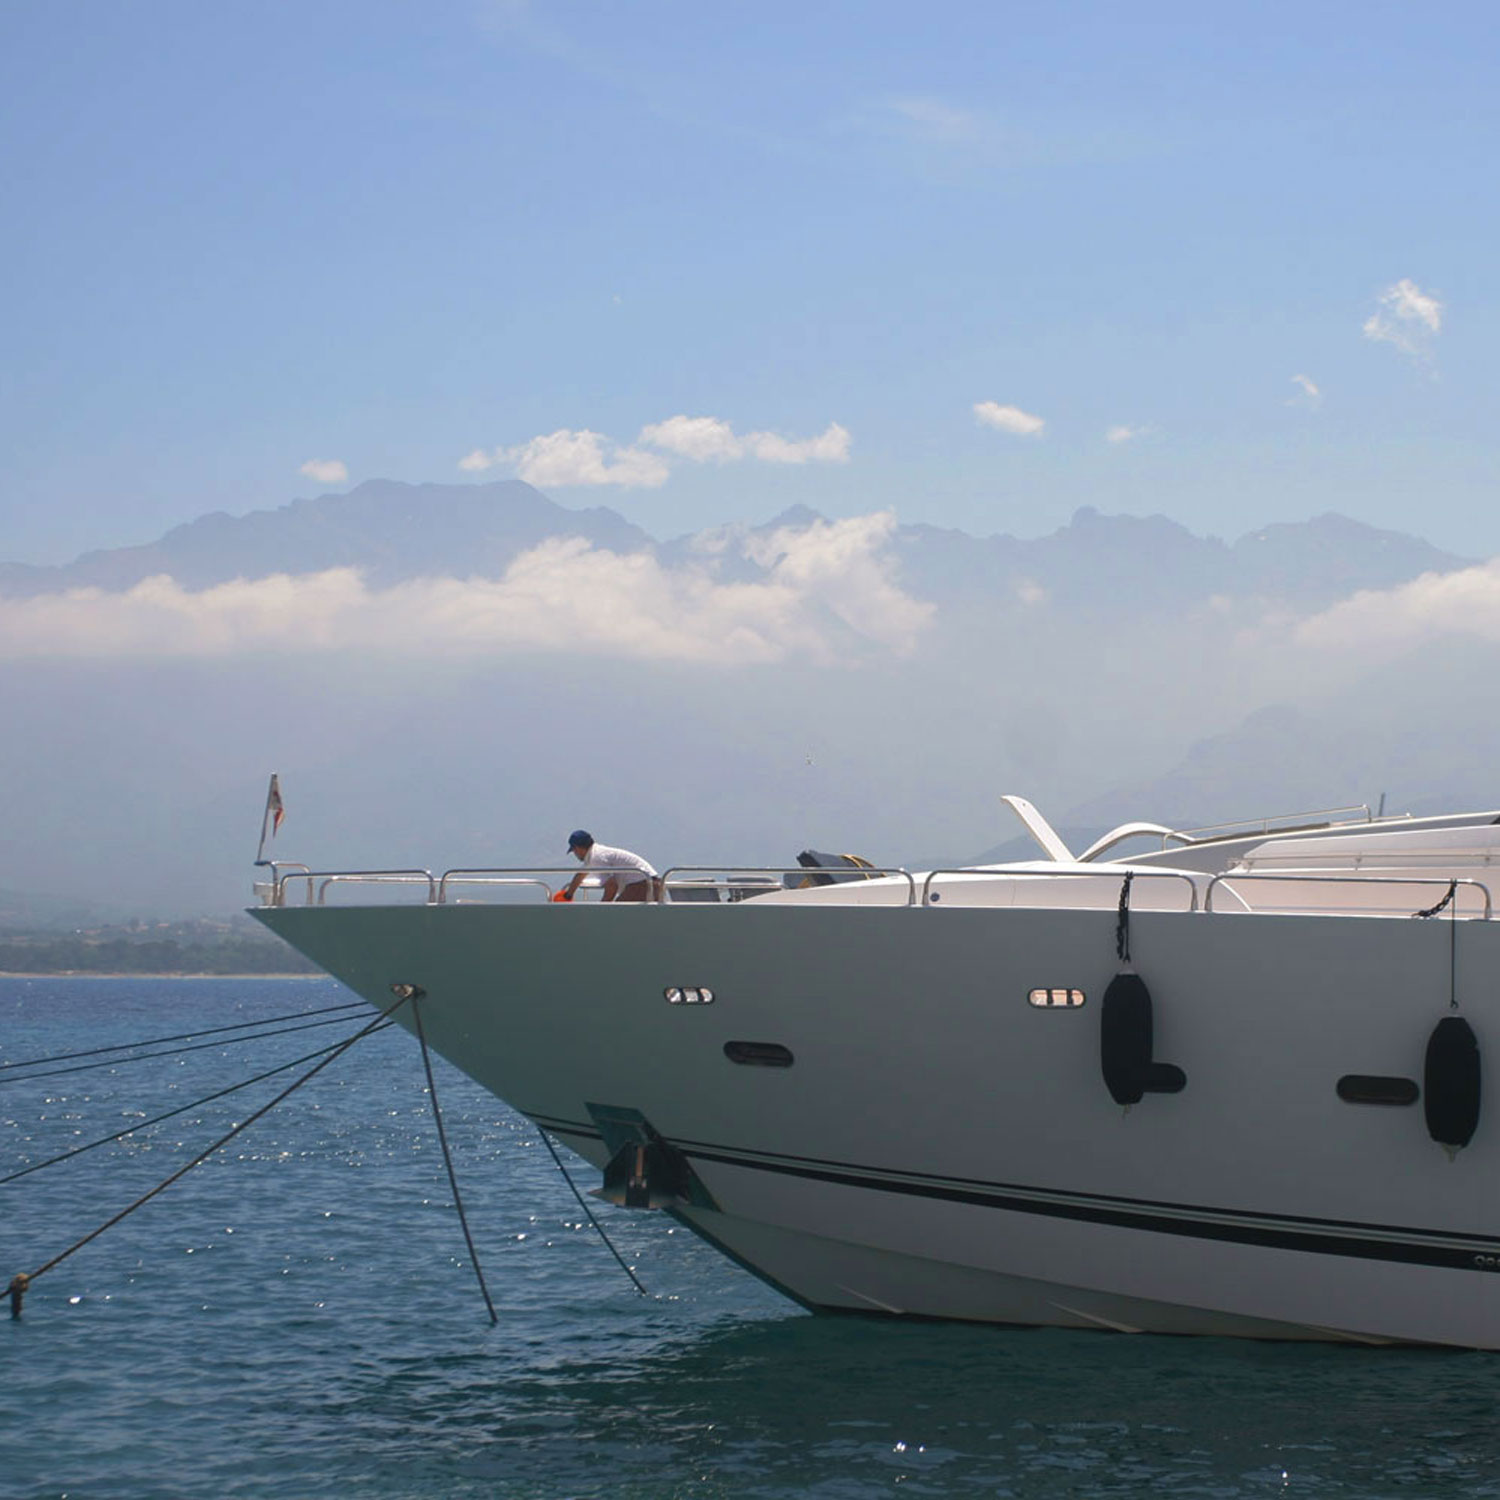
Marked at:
<point>273,805</point>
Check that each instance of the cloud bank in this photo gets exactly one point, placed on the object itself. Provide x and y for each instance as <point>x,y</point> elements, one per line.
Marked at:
<point>1463,603</point>
<point>825,590</point>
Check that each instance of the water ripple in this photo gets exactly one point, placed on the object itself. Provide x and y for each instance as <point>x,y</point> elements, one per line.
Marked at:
<point>297,1319</point>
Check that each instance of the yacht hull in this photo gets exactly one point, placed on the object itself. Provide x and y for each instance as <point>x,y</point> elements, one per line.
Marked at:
<point>941,1147</point>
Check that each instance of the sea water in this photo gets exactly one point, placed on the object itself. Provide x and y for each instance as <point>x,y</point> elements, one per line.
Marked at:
<point>299,1317</point>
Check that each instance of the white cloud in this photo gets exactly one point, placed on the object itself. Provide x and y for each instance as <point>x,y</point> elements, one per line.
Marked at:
<point>710,439</point>
<point>325,470</point>
<point>1466,602</point>
<point>1120,433</point>
<point>563,458</point>
<point>1407,317</point>
<point>831,446</point>
<point>566,457</point>
<point>1009,419</point>
<point>844,568</point>
<point>1310,398</point>
<point>932,120</point>
<point>698,438</point>
<point>828,590</point>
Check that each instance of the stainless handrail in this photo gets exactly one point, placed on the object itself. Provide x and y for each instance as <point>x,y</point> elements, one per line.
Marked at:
<point>1115,875</point>
<point>851,873</point>
<point>370,877</point>
<point>378,877</point>
<point>276,887</point>
<point>499,875</point>
<point>1250,826</point>
<point>1316,877</point>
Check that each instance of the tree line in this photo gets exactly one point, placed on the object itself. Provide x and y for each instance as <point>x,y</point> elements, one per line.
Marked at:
<point>197,947</point>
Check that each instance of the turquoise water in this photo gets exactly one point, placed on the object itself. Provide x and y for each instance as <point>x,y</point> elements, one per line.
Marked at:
<point>298,1318</point>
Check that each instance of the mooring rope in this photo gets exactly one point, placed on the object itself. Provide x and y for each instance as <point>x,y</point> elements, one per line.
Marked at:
<point>1450,902</point>
<point>557,1160</point>
<point>1447,900</point>
<point>181,1109</point>
<point>120,1062</point>
<point>1122,920</point>
<point>458,1202</point>
<point>21,1282</point>
<point>182,1036</point>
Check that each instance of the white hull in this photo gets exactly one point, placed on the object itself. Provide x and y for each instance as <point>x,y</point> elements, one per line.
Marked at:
<point>942,1148</point>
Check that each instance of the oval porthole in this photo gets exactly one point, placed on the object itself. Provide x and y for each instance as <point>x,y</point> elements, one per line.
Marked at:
<point>758,1054</point>
<point>1056,998</point>
<point>1364,1088</point>
<point>694,994</point>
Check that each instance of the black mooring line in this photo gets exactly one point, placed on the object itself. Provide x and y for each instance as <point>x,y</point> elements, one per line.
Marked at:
<point>120,1062</point>
<point>546,1141</point>
<point>182,1036</point>
<point>437,1115</point>
<point>202,1156</point>
<point>233,1088</point>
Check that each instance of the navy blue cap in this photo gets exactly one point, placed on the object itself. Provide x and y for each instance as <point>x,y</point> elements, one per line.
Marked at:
<point>580,838</point>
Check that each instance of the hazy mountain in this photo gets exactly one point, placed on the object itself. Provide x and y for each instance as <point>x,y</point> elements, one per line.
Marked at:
<point>392,531</point>
<point>1418,734</point>
<point>395,531</point>
<point>1156,565</point>
<point>1095,670</point>
<point>1416,739</point>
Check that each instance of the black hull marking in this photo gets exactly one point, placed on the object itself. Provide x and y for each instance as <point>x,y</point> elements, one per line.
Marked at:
<point>1346,1238</point>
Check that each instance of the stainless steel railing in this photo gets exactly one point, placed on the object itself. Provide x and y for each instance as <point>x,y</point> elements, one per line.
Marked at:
<point>743,882</point>
<point>1228,880</point>
<point>682,883</point>
<point>499,877</point>
<point>1041,872</point>
<point>318,881</point>
<point>1292,822</point>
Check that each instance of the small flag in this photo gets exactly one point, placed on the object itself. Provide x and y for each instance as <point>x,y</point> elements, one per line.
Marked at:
<point>273,805</point>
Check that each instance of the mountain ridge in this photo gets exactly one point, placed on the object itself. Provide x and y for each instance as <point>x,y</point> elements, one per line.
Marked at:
<point>393,531</point>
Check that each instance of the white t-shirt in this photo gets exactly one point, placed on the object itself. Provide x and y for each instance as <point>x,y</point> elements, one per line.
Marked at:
<point>602,857</point>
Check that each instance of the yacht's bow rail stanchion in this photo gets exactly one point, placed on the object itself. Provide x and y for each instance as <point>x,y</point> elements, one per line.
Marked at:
<point>1107,879</point>
<point>1345,891</point>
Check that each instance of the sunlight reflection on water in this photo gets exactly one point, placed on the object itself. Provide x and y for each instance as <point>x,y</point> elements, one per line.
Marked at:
<point>297,1318</point>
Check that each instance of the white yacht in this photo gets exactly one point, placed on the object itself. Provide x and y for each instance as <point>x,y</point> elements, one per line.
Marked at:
<point>1228,1085</point>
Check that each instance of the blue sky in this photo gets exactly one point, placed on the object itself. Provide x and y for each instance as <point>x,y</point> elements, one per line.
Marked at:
<point>877,244</point>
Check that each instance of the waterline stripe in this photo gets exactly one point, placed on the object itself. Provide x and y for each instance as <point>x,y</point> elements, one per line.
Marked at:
<point>1312,1236</point>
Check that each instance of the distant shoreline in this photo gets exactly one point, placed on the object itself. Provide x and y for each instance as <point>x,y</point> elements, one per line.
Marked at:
<point>153,974</point>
